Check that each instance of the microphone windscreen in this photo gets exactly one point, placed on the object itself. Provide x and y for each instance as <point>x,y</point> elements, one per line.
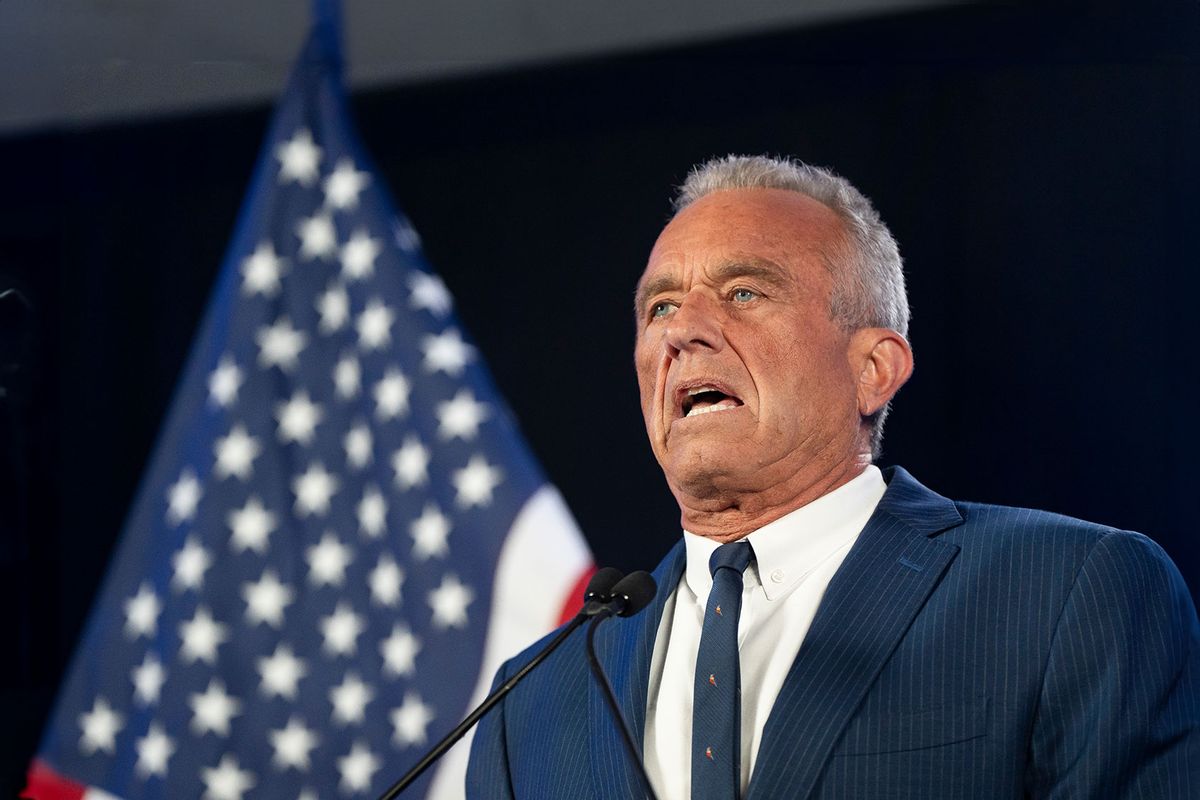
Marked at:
<point>638,589</point>
<point>601,585</point>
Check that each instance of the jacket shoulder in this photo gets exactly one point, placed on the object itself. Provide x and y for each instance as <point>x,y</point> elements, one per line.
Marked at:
<point>1027,521</point>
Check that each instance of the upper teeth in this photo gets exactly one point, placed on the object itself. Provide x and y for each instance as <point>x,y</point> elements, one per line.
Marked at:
<point>700,389</point>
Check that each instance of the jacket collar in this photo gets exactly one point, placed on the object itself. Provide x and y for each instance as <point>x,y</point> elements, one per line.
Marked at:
<point>870,603</point>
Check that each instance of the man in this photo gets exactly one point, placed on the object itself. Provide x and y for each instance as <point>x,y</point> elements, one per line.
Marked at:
<point>889,642</point>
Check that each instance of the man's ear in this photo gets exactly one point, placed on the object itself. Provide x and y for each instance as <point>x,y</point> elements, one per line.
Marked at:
<point>885,362</point>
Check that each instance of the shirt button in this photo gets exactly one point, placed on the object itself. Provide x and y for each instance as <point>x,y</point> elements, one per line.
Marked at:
<point>777,576</point>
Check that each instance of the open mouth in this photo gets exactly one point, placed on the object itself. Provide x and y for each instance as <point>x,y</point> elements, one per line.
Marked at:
<point>707,399</point>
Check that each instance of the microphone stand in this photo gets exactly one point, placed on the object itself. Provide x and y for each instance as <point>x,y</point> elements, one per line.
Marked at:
<point>453,736</point>
<point>611,697</point>
<point>595,600</point>
<point>608,593</point>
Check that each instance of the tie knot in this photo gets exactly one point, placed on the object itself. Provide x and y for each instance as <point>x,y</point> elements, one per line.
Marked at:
<point>735,555</point>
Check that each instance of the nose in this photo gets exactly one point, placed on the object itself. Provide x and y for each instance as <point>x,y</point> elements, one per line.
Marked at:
<point>694,327</point>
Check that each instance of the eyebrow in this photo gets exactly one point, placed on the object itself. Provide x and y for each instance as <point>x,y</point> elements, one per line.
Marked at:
<point>758,267</point>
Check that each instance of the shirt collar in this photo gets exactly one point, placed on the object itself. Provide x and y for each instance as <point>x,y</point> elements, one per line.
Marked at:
<point>791,547</point>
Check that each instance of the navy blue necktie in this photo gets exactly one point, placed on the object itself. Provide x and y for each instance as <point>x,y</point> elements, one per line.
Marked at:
<point>716,699</point>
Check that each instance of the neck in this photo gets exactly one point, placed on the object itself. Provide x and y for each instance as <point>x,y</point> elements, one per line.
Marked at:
<point>726,516</point>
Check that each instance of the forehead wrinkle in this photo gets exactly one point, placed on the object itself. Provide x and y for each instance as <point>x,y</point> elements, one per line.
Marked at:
<point>753,266</point>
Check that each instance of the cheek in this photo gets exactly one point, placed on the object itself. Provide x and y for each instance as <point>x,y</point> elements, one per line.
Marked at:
<point>647,372</point>
<point>801,381</point>
<point>784,366</point>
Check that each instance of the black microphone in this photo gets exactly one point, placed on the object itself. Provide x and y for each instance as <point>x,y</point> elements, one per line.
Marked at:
<point>628,596</point>
<point>632,593</point>
<point>599,599</point>
<point>599,590</point>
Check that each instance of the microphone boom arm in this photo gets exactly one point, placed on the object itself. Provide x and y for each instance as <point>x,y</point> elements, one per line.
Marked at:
<point>453,736</point>
<point>610,696</point>
<point>609,592</point>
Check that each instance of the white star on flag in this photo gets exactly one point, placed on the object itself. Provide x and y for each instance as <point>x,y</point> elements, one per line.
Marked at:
<point>148,679</point>
<point>475,482</point>
<point>449,602</point>
<point>410,721</point>
<point>299,158</point>
<point>313,489</point>
<point>213,710</point>
<point>266,599</point>
<point>251,525</point>
<point>358,446</point>
<point>429,532</point>
<point>347,377</point>
<point>358,256</point>
<point>201,636</point>
<point>261,271</point>
<point>334,307</point>
<point>350,699</point>
<point>372,513</point>
<point>100,727</point>
<point>318,237</point>
<point>391,395</point>
<point>190,562</point>
<point>357,767</point>
<point>224,382</point>
<point>327,561</point>
<point>429,292</point>
<point>154,750</point>
<point>411,463</point>
<point>399,651</point>
<point>227,781</point>
<point>141,613</point>
<point>446,352</point>
<point>236,453</point>
<point>386,580</point>
<point>183,497</point>
<point>280,673</point>
<point>341,630</point>
<point>280,345</point>
<point>344,184</point>
<point>374,325</point>
<point>292,745</point>
<point>298,418</point>
<point>461,416</point>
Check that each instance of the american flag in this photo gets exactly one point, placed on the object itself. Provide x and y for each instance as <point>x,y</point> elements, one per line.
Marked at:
<point>341,533</point>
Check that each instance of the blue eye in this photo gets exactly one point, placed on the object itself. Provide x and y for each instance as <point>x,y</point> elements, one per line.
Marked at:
<point>743,295</point>
<point>661,309</point>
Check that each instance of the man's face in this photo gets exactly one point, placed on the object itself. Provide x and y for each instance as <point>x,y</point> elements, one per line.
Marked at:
<point>746,383</point>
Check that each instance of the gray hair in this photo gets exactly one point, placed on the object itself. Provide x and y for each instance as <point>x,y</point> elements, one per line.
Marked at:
<point>868,284</point>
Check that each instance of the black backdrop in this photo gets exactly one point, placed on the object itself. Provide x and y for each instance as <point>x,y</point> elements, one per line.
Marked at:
<point>1039,169</point>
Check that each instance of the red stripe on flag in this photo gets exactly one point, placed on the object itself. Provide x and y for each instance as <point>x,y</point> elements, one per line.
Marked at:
<point>46,784</point>
<point>574,599</point>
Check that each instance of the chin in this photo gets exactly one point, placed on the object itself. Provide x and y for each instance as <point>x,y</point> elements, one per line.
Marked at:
<point>698,473</point>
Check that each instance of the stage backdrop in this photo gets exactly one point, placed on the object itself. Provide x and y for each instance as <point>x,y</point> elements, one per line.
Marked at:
<point>1040,172</point>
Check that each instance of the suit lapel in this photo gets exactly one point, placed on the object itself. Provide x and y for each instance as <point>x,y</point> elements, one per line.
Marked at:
<point>870,603</point>
<point>625,648</point>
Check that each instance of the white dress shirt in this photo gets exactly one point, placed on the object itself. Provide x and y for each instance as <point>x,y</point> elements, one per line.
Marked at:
<point>795,557</point>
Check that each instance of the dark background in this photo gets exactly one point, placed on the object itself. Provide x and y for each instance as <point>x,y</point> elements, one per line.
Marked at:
<point>1039,169</point>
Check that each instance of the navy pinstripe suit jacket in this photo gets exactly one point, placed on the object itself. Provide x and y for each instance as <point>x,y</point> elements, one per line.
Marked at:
<point>961,650</point>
